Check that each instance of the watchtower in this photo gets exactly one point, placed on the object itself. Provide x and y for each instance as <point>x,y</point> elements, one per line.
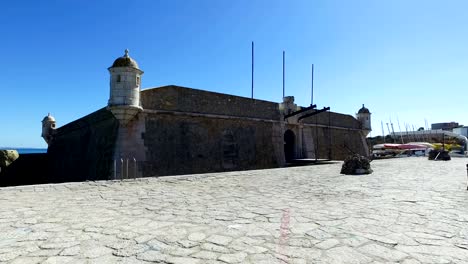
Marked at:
<point>125,83</point>
<point>364,117</point>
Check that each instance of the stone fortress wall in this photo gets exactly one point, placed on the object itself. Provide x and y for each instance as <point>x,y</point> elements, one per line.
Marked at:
<point>196,131</point>
<point>182,144</point>
<point>174,130</point>
<point>84,149</point>
<point>189,130</point>
<point>184,99</point>
<point>183,130</point>
<point>337,133</point>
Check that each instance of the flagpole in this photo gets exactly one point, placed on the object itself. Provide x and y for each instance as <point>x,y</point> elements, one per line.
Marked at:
<point>312,87</point>
<point>283,73</point>
<point>252,69</point>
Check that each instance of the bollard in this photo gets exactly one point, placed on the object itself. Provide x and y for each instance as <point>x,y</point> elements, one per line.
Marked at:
<point>467,176</point>
<point>121,168</point>
<point>126,177</point>
<point>115,170</point>
<point>135,168</point>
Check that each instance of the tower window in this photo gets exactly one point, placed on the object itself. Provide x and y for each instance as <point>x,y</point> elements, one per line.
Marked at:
<point>118,78</point>
<point>138,80</point>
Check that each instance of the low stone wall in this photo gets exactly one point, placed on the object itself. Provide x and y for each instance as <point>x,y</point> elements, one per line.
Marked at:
<point>27,169</point>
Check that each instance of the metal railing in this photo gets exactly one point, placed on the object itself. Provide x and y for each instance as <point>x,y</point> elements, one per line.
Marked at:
<point>125,168</point>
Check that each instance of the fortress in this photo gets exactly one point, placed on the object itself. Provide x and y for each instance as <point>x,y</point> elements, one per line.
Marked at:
<point>173,130</point>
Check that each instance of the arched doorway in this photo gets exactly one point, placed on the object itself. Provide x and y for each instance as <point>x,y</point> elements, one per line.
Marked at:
<point>289,145</point>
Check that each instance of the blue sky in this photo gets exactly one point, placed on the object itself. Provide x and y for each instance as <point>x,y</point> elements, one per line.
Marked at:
<point>405,59</point>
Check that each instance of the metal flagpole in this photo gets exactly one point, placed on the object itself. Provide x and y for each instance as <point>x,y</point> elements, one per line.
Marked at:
<point>252,68</point>
<point>283,73</point>
<point>312,87</point>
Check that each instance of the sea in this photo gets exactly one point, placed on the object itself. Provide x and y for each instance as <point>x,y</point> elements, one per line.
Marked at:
<point>29,150</point>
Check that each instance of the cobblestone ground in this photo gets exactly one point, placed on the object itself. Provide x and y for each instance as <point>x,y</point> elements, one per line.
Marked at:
<point>408,211</point>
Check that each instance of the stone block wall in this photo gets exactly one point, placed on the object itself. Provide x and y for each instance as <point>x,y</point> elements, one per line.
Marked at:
<point>333,119</point>
<point>129,149</point>
<point>84,149</point>
<point>175,98</point>
<point>182,144</point>
<point>336,144</point>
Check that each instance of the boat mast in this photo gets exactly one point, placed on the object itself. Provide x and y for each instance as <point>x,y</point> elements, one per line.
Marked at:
<point>399,128</point>
<point>388,128</point>
<point>383,132</point>
<point>415,134</point>
<point>393,131</point>
<point>407,135</point>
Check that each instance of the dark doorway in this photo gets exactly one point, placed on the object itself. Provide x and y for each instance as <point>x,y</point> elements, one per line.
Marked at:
<point>289,141</point>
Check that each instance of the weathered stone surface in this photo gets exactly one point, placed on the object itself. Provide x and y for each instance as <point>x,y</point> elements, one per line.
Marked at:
<point>346,255</point>
<point>219,240</point>
<point>406,212</point>
<point>233,258</point>
<point>205,255</point>
<point>72,251</point>
<point>329,243</point>
<point>184,260</point>
<point>28,260</point>
<point>197,236</point>
<point>383,252</point>
<point>153,256</point>
<point>214,248</point>
<point>59,260</point>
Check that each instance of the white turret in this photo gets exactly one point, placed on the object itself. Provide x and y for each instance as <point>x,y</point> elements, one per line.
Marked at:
<point>364,116</point>
<point>48,128</point>
<point>125,83</point>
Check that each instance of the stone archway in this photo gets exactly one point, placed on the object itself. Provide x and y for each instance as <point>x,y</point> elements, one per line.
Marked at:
<point>289,145</point>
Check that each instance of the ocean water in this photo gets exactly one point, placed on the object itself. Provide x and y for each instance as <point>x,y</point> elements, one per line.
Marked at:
<point>30,150</point>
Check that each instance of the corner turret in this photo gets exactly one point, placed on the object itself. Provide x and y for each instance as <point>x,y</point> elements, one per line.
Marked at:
<point>48,128</point>
<point>364,117</point>
<point>125,83</point>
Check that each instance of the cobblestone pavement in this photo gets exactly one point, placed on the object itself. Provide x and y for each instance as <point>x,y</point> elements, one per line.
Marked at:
<point>408,211</point>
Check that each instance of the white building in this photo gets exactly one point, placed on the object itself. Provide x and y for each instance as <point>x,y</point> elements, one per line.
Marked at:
<point>461,131</point>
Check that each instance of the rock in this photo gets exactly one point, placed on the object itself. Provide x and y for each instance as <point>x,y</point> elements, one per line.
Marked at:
<point>7,157</point>
<point>356,164</point>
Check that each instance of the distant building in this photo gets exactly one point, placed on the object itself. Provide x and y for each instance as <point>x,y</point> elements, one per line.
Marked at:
<point>461,131</point>
<point>177,130</point>
<point>444,126</point>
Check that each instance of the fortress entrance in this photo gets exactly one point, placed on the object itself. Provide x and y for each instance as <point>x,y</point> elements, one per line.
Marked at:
<point>289,145</point>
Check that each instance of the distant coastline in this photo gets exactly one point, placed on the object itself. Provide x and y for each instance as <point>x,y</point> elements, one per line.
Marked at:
<point>27,150</point>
